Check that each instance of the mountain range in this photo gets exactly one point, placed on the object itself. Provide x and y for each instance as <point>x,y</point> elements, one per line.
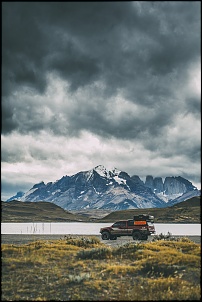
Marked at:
<point>100,188</point>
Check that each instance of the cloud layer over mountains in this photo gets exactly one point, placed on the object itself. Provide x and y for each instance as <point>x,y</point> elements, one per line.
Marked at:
<point>112,83</point>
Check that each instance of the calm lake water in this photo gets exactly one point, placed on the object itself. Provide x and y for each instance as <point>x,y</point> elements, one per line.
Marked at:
<point>82,228</point>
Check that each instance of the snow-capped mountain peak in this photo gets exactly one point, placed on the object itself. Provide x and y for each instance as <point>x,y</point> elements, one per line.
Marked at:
<point>100,188</point>
<point>102,171</point>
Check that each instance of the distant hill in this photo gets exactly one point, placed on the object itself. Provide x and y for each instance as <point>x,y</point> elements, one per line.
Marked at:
<point>18,211</point>
<point>187,211</point>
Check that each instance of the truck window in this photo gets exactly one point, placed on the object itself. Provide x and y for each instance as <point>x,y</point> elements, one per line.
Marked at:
<point>119,224</point>
<point>130,222</point>
<point>123,224</point>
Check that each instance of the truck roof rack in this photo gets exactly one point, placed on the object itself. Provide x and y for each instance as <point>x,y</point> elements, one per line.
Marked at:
<point>144,217</point>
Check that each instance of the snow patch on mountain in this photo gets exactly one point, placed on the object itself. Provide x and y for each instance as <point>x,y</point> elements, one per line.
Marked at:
<point>89,175</point>
<point>53,193</point>
<point>121,181</point>
<point>166,197</point>
<point>96,191</point>
<point>116,171</point>
<point>24,197</point>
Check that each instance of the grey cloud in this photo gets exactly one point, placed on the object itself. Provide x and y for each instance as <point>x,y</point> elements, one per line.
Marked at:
<point>127,127</point>
<point>12,156</point>
<point>193,105</point>
<point>141,49</point>
<point>22,47</point>
<point>75,67</point>
<point>166,147</point>
<point>100,28</point>
<point>8,122</point>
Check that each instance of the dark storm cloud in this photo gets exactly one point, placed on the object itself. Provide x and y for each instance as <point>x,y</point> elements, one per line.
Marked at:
<point>142,49</point>
<point>22,47</point>
<point>193,105</point>
<point>123,125</point>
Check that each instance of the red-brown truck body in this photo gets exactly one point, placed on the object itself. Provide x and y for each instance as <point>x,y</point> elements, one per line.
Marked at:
<point>139,228</point>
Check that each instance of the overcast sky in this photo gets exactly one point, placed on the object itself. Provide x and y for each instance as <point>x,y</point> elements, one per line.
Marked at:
<point>90,83</point>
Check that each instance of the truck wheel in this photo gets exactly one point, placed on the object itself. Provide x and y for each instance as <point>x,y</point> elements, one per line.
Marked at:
<point>113,237</point>
<point>105,236</point>
<point>145,237</point>
<point>137,236</point>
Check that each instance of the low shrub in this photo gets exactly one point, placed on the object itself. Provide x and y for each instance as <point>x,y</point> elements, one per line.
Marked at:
<point>164,289</point>
<point>161,270</point>
<point>161,236</point>
<point>127,250</point>
<point>83,241</point>
<point>95,253</point>
<point>79,278</point>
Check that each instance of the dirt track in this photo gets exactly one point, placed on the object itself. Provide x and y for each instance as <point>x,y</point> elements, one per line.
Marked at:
<point>21,239</point>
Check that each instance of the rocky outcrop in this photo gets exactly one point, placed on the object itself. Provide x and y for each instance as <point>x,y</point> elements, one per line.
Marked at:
<point>158,185</point>
<point>137,180</point>
<point>173,186</point>
<point>149,182</point>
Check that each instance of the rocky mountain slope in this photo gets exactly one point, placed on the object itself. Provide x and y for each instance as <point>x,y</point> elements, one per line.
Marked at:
<point>100,188</point>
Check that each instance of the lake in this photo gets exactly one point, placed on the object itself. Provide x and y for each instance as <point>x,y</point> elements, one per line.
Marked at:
<point>82,228</point>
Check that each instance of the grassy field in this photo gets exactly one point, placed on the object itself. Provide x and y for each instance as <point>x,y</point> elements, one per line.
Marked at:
<point>83,268</point>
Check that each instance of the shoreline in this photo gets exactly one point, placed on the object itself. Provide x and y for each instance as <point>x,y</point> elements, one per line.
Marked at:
<point>24,239</point>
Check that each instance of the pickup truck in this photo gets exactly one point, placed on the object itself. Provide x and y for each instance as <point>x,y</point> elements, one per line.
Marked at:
<point>139,228</point>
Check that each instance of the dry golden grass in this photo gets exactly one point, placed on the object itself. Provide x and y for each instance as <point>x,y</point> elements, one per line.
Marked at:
<point>85,269</point>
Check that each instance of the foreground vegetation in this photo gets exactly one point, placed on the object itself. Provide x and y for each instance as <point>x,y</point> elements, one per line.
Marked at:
<point>83,268</point>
